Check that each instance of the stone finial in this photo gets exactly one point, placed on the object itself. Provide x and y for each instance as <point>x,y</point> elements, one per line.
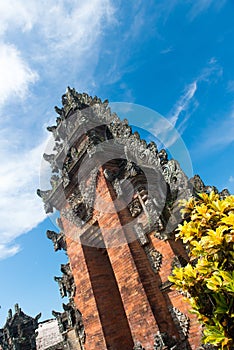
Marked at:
<point>9,316</point>
<point>17,308</point>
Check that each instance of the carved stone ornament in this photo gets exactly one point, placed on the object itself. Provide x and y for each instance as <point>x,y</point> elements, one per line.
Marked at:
<point>151,210</point>
<point>137,150</point>
<point>117,187</point>
<point>45,195</point>
<point>81,201</point>
<point>19,331</point>
<point>68,214</point>
<point>138,346</point>
<point>135,208</point>
<point>66,282</point>
<point>162,341</point>
<point>141,236</point>
<point>175,177</point>
<point>155,258</point>
<point>58,239</point>
<point>88,190</point>
<point>181,321</point>
<point>154,220</point>
<point>71,318</point>
<point>51,159</point>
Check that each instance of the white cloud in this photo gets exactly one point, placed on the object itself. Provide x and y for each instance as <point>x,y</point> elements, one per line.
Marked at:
<point>47,34</point>
<point>17,14</point>
<point>16,75</point>
<point>20,208</point>
<point>57,20</point>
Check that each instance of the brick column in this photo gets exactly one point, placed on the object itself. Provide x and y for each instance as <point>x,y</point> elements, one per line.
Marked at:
<point>84,299</point>
<point>137,308</point>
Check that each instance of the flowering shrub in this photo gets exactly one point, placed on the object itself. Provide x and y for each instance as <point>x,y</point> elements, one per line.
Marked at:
<point>208,280</point>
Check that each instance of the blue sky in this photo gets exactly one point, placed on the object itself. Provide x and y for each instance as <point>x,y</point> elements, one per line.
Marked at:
<point>174,57</point>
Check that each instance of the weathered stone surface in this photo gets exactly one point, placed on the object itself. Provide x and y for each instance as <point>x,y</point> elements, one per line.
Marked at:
<point>49,336</point>
<point>71,327</point>
<point>19,331</point>
<point>181,321</point>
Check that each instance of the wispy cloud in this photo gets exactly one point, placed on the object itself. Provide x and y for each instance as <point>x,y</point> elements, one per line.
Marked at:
<point>183,103</point>
<point>230,86</point>
<point>168,130</point>
<point>231,179</point>
<point>229,184</point>
<point>186,105</point>
<point>167,50</point>
<point>220,134</point>
<point>200,6</point>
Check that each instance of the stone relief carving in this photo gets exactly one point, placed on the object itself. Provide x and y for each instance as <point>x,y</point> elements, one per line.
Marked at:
<point>88,190</point>
<point>224,193</point>
<point>68,214</point>
<point>117,187</point>
<point>62,287</point>
<point>82,200</point>
<point>141,236</point>
<point>66,282</point>
<point>54,181</point>
<point>70,318</point>
<point>151,209</point>
<point>163,157</point>
<point>137,150</point>
<point>175,177</point>
<point>181,321</point>
<point>54,130</point>
<point>127,170</point>
<point>135,208</point>
<point>155,258</point>
<point>162,341</point>
<point>138,346</point>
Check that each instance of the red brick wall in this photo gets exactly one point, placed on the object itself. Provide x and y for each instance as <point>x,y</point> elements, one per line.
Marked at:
<point>117,291</point>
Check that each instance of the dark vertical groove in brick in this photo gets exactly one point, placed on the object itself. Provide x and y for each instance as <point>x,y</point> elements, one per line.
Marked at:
<point>111,311</point>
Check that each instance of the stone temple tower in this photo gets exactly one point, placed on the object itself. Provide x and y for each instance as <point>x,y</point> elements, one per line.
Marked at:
<point>118,202</point>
